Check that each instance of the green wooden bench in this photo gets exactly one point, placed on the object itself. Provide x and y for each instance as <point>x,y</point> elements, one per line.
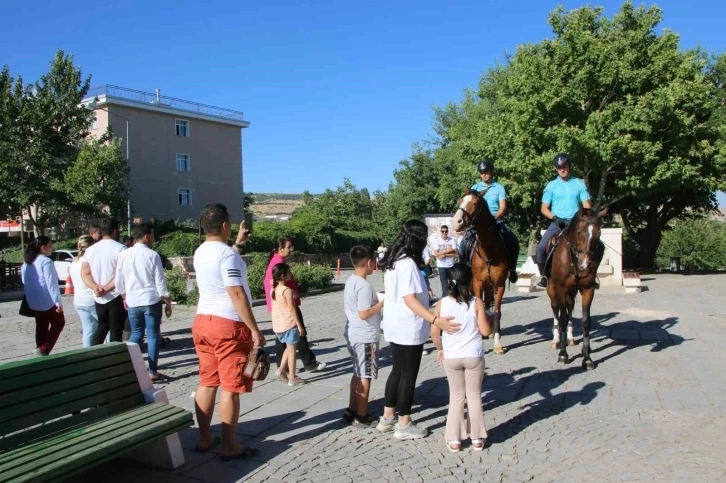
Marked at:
<point>63,414</point>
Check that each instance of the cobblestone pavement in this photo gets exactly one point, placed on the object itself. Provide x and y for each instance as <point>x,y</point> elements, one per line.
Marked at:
<point>652,410</point>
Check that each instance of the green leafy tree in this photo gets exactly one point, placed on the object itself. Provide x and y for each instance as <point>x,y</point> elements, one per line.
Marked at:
<point>616,96</point>
<point>96,181</point>
<point>49,125</point>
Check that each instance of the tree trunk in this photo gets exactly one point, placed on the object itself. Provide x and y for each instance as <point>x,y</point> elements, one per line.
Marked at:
<point>648,242</point>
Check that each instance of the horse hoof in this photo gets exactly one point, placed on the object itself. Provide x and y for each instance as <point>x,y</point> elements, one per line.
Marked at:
<point>499,349</point>
<point>571,342</point>
<point>563,359</point>
<point>555,345</point>
<point>588,365</point>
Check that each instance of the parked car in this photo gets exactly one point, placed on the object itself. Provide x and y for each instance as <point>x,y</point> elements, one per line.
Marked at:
<point>62,260</point>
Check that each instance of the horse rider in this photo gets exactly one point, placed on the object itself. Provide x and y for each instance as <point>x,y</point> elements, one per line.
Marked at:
<point>495,196</point>
<point>560,203</point>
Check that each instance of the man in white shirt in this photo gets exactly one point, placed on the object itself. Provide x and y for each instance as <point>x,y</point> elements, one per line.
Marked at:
<point>141,281</point>
<point>444,252</point>
<point>224,332</point>
<point>99,274</point>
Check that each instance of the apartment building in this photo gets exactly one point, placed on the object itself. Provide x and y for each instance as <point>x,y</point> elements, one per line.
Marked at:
<point>182,154</point>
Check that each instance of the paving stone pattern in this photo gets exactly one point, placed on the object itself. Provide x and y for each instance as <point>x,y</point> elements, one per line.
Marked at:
<point>652,410</point>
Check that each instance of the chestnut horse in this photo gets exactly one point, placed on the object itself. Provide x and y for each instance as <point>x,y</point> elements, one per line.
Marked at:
<point>577,255</point>
<point>489,263</point>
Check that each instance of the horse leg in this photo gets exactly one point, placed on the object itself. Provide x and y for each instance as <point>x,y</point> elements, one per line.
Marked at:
<point>562,319</point>
<point>498,296</point>
<point>555,327</point>
<point>570,308</point>
<point>587,296</point>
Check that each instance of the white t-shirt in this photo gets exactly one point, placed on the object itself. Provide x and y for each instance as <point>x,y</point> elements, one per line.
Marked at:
<point>217,267</point>
<point>82,295</point>
<point>102,257</point>
<point>467,341</point>
<point>440,245</point>
<point>400,325</point>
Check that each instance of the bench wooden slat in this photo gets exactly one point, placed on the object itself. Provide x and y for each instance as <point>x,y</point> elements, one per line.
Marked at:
<point>64,371</point>
<point>69,439</point>
<point>98,443</point>
<point>61,425</point>
<point>34,412</point>
<point>64,384</point>
<point>34,365</point>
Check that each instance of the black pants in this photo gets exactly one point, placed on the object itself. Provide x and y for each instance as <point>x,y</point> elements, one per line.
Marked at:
<point>111,318</point>
<point>402,380</point>
<point>303,348</point>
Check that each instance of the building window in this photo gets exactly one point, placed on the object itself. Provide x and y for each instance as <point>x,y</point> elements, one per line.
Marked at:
<point>183,163</point>
<point>182,128</point>
<point>94,121</point>
<point>185,196</point>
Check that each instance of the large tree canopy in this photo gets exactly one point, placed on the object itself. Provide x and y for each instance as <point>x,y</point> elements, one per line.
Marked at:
<point>48,167</point>
<point>615,95</point>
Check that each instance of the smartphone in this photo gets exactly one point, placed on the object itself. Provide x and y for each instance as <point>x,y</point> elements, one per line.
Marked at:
<point>249,218</point>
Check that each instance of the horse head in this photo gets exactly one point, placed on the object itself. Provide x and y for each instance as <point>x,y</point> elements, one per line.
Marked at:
<point>583,235</point>
<point>472,210</point>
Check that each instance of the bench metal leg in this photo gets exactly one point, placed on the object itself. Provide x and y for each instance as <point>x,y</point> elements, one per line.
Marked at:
<point>165,452</point>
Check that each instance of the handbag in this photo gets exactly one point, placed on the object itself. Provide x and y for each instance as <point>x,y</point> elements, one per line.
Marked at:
<point>258,364</point>
<point>25,309</point>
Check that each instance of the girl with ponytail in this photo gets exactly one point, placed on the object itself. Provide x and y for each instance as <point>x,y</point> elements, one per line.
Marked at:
<point>42,293</point>
<point>462,356</point>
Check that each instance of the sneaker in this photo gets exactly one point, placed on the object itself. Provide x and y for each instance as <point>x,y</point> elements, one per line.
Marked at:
<point>386,425</point>
<point>411,431</point>
<point>281,375</point>
<point>317,366</point>
<point>364,421</point>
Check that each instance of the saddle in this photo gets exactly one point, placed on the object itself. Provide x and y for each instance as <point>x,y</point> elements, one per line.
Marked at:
<point>551,250</point>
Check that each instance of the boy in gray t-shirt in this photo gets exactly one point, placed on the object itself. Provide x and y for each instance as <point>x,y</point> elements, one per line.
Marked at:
<point>362,333</point>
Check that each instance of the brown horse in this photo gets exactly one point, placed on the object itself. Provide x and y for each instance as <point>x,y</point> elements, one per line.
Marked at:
<point>576,257</point>
<point>489,263</point>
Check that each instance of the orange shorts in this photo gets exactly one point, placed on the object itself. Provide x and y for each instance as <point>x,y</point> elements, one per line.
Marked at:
<point>222,346</point>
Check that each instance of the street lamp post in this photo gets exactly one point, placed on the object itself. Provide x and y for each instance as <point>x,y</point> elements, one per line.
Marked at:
<point>94,105</point>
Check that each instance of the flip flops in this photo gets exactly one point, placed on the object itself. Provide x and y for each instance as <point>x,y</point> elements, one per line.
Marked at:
<point>247,452</point>
<point>215,442</point>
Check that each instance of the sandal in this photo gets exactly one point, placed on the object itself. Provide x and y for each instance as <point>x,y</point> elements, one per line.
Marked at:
<point>159,377</point>
<point>295,382</point>
<point>349,415</point>
<point>478,444</point>
<point>454,446</point>
<point>247,452</point>
<point>215,441</point>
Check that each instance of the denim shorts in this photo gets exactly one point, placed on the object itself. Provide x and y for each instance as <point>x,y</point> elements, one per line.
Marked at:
<point>291,336</point>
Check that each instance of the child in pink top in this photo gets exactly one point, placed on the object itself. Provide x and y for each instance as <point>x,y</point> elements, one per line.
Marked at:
<point>283,249</point>
<point>285,322</point>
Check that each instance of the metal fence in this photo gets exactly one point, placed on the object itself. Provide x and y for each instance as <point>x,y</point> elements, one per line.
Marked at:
<point>156,99</point>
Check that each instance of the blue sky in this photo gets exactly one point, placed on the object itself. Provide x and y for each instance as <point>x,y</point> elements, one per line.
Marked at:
<point>331,88</point>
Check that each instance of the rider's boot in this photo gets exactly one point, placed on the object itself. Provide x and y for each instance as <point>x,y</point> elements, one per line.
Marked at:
<point>542,282</point>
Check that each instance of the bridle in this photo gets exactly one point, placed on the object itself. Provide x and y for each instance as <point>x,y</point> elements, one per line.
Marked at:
<point>573,252</point>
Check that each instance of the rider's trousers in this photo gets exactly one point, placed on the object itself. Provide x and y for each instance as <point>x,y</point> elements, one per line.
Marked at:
<point>551,231</point>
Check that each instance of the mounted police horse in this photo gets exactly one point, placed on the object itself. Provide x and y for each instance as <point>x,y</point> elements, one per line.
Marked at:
<point>489,264</point>
<point>573,262</point>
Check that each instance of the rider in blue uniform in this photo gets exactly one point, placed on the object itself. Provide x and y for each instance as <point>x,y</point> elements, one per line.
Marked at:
<point>560,202</point>
<point>495,197</point>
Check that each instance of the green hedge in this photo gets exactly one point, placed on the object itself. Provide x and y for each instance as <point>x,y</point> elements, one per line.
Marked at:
<point>701,244</point>
<point>177,244</point>
<point>177,283</point>
<point>308,277</point>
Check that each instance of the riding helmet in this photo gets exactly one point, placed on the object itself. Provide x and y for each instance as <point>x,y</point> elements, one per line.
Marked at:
<point>486,166</point>
<point>561,160</point>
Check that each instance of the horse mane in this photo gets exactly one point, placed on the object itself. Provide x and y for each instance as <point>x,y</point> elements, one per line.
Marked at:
<point>587,215</point>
